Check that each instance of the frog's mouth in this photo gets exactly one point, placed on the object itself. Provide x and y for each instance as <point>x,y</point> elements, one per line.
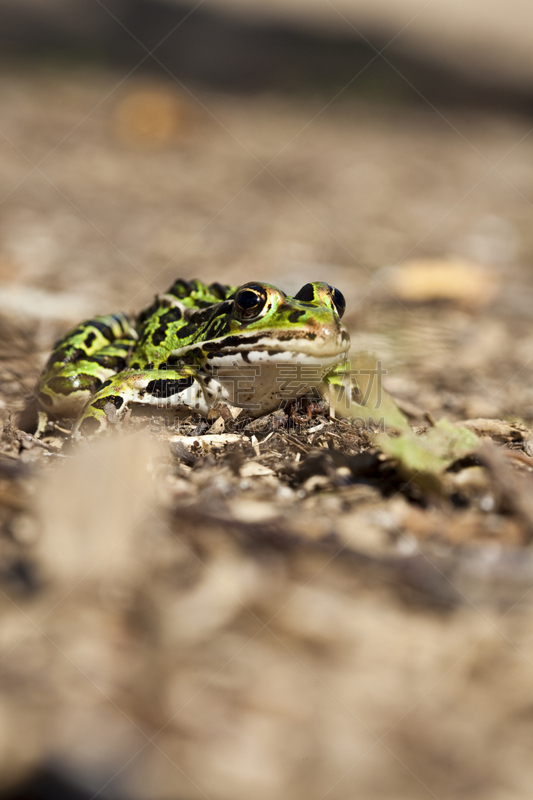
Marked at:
<point>272,357</point>
<point>328,346</point>
<point>270,350</point>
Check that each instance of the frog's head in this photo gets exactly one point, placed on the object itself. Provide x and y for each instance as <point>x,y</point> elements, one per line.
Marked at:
<point>261,324</point>
<point>262,332</point>
<point>266,320</point>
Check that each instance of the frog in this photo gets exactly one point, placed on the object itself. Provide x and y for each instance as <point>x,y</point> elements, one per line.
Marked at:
<point>197,345</point>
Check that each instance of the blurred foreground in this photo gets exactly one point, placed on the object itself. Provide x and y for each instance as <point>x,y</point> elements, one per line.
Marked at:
<point>176,625</point>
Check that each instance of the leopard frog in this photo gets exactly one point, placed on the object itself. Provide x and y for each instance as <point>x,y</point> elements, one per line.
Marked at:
<point>251,346</point>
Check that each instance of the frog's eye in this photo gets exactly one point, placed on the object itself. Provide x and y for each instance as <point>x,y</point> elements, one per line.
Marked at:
<point>250,301</point>
<point>338,301</point>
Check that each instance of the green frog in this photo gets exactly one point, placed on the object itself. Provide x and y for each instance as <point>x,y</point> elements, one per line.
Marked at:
<point>195,346</point>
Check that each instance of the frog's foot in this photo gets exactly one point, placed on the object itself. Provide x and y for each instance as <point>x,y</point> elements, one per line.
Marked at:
<point>341,379</point>
<point>168,389</point>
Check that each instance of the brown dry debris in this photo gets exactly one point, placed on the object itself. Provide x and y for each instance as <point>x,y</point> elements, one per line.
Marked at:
<point>190,614</point>
<point>217,623</point>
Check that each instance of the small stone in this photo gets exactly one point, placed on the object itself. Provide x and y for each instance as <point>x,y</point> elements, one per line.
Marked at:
<point>251,469</point>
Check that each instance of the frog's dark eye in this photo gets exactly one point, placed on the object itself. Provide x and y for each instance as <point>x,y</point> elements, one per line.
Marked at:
<point>250,301</point>
<point>338,301</point>
<point>306,293</point>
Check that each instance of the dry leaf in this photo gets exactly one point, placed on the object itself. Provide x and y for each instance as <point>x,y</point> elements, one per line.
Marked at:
<point>150,117</point>
<point>424,280</point>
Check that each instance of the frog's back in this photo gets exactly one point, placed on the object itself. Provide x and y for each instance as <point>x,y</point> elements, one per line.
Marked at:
<point>165,324</point>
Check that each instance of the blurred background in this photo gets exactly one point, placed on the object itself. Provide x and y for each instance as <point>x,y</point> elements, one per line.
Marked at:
<point>143,140</point>
<point>383,146</point>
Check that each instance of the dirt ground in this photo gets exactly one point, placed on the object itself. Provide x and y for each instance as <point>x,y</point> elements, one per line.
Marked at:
<point>286,611</point>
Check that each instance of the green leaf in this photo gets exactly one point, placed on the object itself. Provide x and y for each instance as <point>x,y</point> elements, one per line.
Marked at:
<point>425,457</point>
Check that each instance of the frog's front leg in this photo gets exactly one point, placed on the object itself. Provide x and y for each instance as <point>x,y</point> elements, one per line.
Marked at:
<point>356,391</point>
<point>183,388</point>
<point>342,386</point>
